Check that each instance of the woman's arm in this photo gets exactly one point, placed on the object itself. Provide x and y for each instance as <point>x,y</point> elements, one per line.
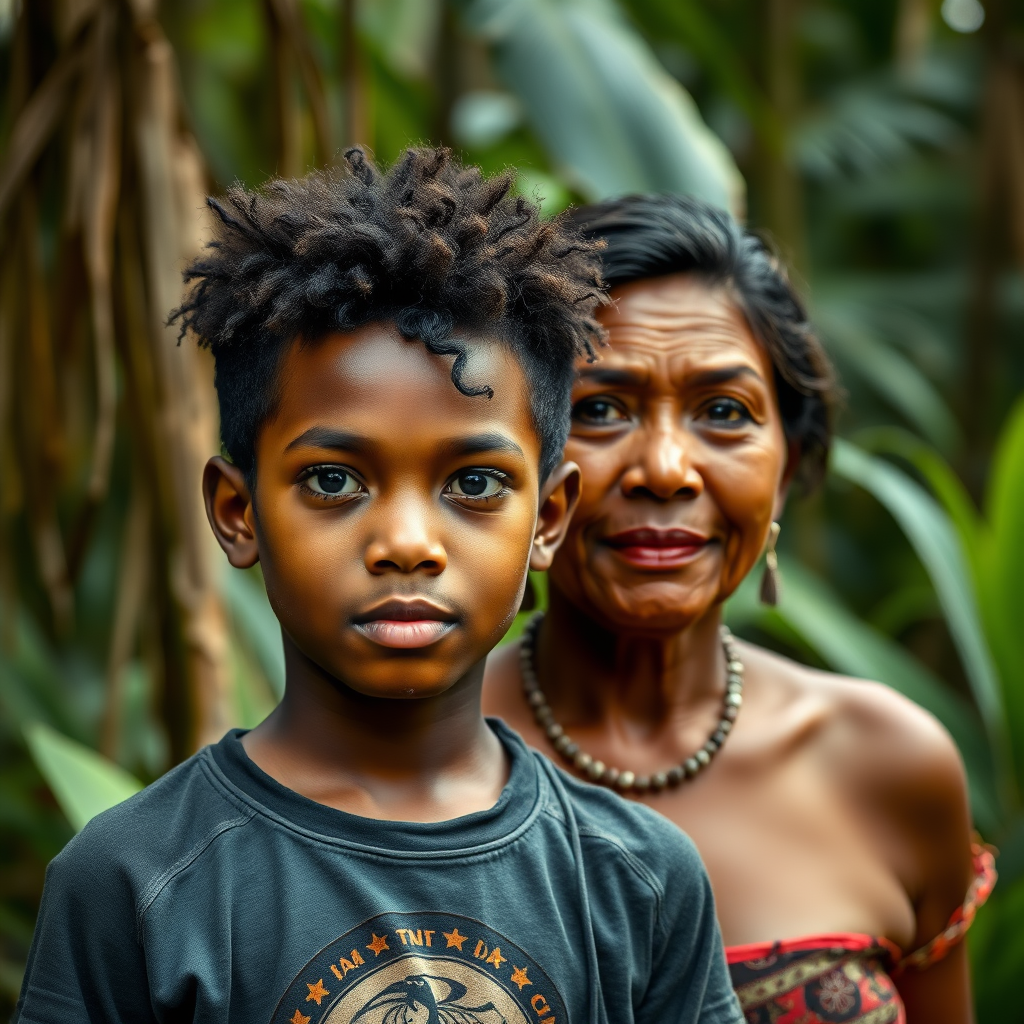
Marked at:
<point>940,993</point>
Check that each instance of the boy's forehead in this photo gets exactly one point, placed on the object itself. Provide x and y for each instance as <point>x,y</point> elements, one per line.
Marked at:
<point>373,378</point>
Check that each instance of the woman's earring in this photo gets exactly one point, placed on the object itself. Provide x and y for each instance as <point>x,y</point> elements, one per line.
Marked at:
<point>771,581</point>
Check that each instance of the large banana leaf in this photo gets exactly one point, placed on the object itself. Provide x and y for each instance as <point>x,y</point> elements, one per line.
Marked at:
<point>85,783</point>
<point>937,473</point>
<point>853,340</point>
<point>936,542</point>
<point>1001,569</point>
<point>994,545</point>
<point>609,115</point>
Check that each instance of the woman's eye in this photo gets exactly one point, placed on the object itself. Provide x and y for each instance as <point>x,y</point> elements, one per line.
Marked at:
<point>599,410</point>
<point>474,484</point>
<point>331,480</point>
<point>727,411</point>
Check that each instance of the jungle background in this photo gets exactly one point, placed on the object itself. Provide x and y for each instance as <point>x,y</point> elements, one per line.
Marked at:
<point>878,143</point>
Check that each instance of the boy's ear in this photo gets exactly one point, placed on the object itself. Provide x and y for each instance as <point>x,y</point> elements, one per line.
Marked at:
<point>558,499</point>
<point>229,509</point>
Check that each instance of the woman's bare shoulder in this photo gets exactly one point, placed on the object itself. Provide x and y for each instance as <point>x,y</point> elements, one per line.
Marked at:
<point>866,730</point>
<point>878,744</point>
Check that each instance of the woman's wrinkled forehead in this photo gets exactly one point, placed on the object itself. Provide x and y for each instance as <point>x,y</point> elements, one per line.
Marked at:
<point>670,327</point>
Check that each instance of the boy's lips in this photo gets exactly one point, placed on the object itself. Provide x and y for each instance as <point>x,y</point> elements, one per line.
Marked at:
<point>405,624</point>
<point>653,548</point>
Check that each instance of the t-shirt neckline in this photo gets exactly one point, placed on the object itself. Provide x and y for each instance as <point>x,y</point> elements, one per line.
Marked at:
<point>515,808</point>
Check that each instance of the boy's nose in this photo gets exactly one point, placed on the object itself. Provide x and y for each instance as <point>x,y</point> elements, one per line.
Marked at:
<point>408,546</point>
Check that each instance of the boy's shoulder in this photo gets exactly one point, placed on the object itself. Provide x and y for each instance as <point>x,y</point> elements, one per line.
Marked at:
<point>155,832</point>
<point>637,832</point>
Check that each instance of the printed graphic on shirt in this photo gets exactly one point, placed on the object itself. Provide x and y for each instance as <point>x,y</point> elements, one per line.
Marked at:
<point>421,969</point>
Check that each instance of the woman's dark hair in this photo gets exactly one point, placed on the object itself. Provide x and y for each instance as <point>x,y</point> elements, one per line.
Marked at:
<point>649,236</point>
<point>431,246</point>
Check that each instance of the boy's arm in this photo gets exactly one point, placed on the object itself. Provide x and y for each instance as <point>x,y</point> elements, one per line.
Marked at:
<point>689,980</point>
<point>86,965</point>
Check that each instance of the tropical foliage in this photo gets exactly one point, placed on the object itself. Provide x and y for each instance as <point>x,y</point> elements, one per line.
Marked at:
<point>881,149</point>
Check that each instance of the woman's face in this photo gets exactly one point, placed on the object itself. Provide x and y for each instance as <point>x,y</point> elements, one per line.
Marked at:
<point>678,433</point>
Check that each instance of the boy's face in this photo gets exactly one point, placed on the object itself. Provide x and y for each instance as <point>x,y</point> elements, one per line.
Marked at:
<point>394,517</point>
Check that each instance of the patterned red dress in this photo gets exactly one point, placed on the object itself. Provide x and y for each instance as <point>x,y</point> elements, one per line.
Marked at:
<point>845,977</point>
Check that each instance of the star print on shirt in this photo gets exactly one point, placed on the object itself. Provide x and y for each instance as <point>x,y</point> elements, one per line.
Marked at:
<point>459,965</point>
<point>316,991</point>
<point>519,977</point>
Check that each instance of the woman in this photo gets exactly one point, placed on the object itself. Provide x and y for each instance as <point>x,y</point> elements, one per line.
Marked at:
<point>831,813</point>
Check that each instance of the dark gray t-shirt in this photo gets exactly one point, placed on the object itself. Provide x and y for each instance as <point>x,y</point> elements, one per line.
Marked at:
<point>218,895</point>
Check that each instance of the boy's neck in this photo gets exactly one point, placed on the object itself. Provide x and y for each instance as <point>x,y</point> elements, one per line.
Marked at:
<point>426,759</point>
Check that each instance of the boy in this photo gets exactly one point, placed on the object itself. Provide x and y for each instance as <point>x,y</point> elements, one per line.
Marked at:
<point>375,851</point>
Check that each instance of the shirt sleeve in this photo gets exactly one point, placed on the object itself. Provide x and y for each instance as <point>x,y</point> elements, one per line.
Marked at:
<point>689,981</point>
<point>86,964</point>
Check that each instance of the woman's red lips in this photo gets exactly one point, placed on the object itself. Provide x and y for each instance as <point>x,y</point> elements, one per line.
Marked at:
<point>405,624</point>
<point>651,548</point>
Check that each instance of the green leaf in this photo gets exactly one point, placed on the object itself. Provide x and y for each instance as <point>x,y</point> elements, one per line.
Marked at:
<point>996,944</point>
<point>943,481</point>
<point>612,119</point>
<point>936,542</point>
<point>716,53</point>
<point>852,339</point>
<point>1001,569</point>
<point>83,781</point>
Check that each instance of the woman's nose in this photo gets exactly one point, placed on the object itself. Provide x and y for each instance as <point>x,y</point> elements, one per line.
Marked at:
<point>663,468</point>
<point>406,542</point>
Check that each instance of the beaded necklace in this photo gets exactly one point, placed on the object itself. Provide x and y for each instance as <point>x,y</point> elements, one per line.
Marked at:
<point>597,771</point>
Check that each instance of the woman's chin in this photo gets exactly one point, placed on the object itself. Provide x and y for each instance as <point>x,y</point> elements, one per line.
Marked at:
<point>655,608</point>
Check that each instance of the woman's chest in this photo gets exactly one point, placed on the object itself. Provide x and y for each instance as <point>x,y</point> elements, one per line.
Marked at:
<point>788,856</point>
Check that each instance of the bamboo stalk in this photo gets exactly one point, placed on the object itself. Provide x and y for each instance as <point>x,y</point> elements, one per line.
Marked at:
<point>288,119</point>
<point>42,443</point>
<point>186,415</point>
<point>164,648</point>
<point>782,199</point>
<point>356,96</point>
<point>99,219</point>
<point>37,121</point>
<point>286,15</point>
<point>10,494</point>
<point>133,582</point>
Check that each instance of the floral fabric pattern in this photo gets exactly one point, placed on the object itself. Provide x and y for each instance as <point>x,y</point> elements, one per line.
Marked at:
<point>846,981</point>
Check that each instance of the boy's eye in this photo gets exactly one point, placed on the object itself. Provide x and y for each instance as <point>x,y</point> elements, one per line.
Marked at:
<point>331,480</point>
<point>727,411</point>
<point>599,410</point>
<point>473,483</point>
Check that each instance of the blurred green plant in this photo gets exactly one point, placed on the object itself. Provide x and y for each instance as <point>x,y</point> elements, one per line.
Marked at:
<point>84,782</point>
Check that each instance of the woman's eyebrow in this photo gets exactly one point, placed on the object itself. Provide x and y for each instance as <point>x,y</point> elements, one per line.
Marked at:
<point>327,437</point>
<point>723,375</point>
<point>478,444</point>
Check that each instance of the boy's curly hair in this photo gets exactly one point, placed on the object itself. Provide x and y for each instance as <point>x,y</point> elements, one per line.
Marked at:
<point>430,245</point>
